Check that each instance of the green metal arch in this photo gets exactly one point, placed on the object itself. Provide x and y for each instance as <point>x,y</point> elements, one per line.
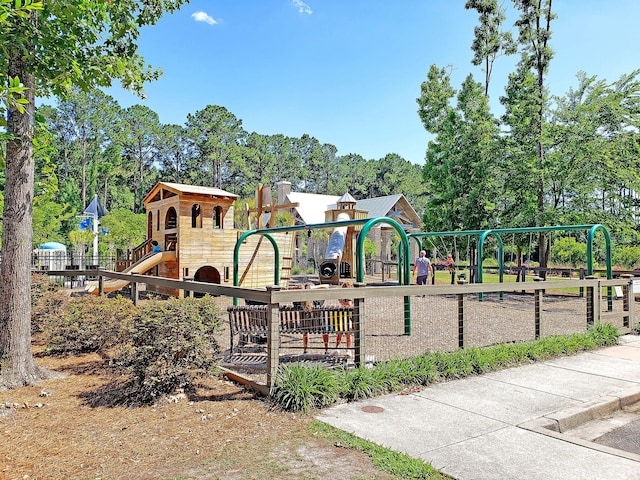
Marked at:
<point>403,249</point>
<point>403,261</point>
<point>592,231</point>
<point>452,233</point>
<point>236,251</point>
<point>607,237</point>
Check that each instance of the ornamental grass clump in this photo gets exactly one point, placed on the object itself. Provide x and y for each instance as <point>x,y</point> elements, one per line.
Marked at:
<point>424,368</point>
<point>360,383</point>
<point>393,375</point>
<point>299,388</point>
<point>604,334</point>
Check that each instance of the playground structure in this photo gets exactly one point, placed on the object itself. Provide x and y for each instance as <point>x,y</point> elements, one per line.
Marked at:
<point>339,259</point>
<point>144,265</point>
<point>194,227</point>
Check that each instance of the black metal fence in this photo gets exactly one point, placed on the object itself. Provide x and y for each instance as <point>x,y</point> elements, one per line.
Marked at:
<point>44,260</point>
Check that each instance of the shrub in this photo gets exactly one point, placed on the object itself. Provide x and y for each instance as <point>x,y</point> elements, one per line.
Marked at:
<point>171,342</point>
<point>300,389</point>
<point>568,251</point>
<point>48,301</point>
<point>628,257</point>
<point>90,324</point>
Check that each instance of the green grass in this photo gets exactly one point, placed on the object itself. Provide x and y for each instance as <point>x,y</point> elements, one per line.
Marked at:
<point>397,464</point>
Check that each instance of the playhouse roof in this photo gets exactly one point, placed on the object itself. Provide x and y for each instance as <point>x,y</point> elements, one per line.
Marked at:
<point>311,207</point>
<point>182,188</point>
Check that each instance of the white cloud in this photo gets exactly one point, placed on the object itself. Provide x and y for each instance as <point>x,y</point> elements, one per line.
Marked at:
<point>204,17</point>
<point>302,7</point>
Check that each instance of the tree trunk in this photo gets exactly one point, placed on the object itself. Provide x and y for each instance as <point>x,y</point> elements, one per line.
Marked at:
<point>106,191</point>
<point>17,366</point>
<point>84,170</point>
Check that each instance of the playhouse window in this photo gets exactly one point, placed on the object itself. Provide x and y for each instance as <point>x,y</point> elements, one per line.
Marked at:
<point>171,220</point>
<point>217,217</point>
<point>196,216</point>
<point>149,224</point>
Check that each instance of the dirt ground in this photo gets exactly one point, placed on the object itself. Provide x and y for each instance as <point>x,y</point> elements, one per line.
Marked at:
<point>55,431</point>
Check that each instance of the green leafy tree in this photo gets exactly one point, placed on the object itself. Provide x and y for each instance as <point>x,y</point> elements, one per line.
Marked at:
<point>218,136</point>
<point>534,34</point>
<point>256,165</point>
<point>141,144</point>
<point>287,163</point>
<point>12,91</point>
<point>83,126</point>
<point>126,229</point>
<point>309,151</point>
<point>462,161</point>
<point>86,43</point>
<point>355,175</point>
<point>175,149</point>
<point>489,41</point>
<point>395,175</point>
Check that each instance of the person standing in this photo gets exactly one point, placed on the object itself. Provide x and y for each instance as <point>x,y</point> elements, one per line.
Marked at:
<point>423,266</point>
<point>451,268</point>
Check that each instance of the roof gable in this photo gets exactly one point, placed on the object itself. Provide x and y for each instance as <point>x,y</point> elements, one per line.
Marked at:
<point>312,207</point>
<point>181,189</point>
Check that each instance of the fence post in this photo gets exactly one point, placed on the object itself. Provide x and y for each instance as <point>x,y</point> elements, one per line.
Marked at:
<point>359,355</point>
<point>273,336</point>
<point>628,300</point>
<point>593,301</point>
<point>134,292</point>
<point>538,306</point>
<point>100,285</point>
<point>461,315</point>
<point>188,293</point>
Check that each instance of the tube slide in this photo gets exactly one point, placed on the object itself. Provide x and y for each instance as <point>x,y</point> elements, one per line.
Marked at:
<point>336,241</point>
<point>144,264</point>
<point>335,247</point>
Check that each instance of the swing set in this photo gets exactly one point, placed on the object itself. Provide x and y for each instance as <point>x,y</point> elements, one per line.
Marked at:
<point>498,233</point>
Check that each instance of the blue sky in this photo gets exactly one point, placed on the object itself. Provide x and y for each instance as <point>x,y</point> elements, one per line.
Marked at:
<point>348,72</point>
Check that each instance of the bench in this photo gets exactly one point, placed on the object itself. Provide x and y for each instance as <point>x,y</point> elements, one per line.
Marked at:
<point>249,322</point>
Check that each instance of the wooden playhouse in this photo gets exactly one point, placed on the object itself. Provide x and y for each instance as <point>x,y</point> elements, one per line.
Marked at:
<point>197,223</point>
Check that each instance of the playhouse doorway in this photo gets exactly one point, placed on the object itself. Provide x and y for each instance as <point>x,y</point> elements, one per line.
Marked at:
<point>206,274</point>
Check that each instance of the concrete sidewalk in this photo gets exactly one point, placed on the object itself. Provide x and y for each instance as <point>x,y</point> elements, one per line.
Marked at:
<point>497,425</point>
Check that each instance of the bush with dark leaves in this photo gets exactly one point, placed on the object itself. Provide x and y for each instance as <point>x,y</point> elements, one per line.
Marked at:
<point>172,342</point>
